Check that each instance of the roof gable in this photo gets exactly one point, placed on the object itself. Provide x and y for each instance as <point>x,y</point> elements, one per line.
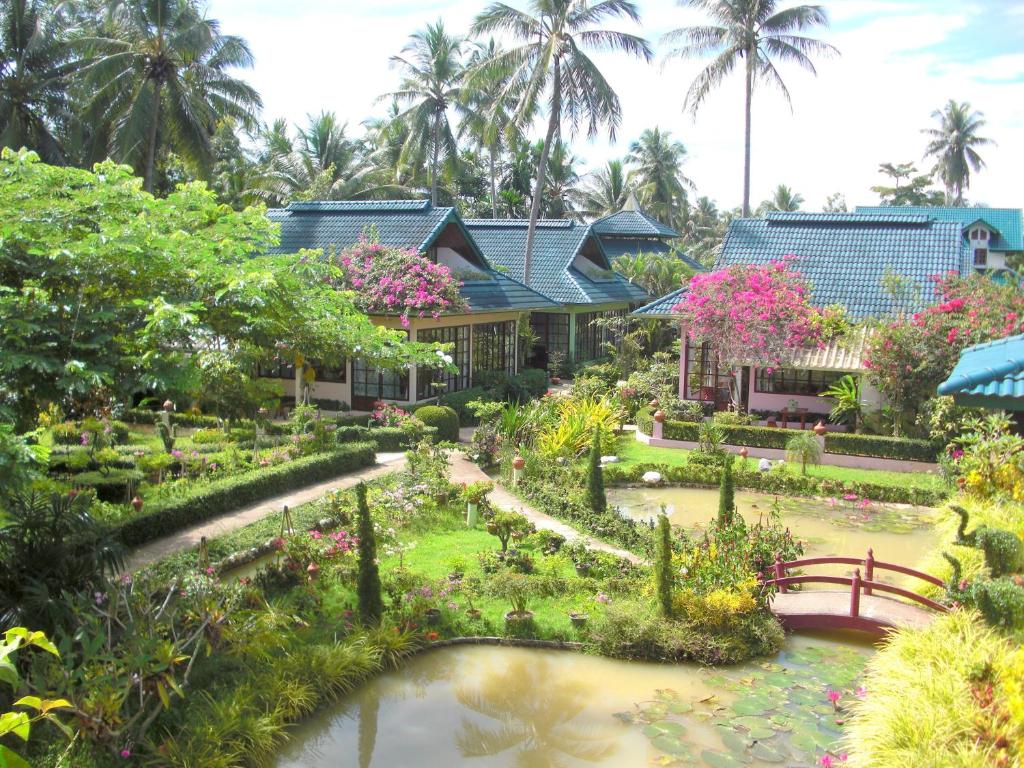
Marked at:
<point>632,224</point>
<point>1008,223</point>
<point>845,256</point>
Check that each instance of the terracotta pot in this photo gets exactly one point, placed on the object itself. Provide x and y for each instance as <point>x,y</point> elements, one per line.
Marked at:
<point>518,462</point>
<point>819,429</point>
<point>555,380</point>
<point>772,423</point>
<point>744,452</point>
<point>654,403</point>
<point>659,416</point>
<point>137,503</point>
<point>168,405</point>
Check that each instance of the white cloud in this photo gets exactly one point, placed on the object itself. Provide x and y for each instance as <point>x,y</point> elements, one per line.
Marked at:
<point>865,107</point>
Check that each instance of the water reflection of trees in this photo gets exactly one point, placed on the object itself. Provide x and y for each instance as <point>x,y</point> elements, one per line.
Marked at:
<point>534,709</point>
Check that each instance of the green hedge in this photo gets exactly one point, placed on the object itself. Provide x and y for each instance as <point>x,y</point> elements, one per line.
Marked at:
<point>388,439</point>
<point>145,416</point>
<point>774,482</point>
<point>232,493</point>
<point>752,437</point>
<point>445,419</point>
<point>645,420</point>
<point>110,486</point>
<point>352,419</point>
<point>880,447</point>
<point>458,401</point>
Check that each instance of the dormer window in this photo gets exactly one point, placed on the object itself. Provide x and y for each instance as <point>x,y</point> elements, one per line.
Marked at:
<point>981,258</point>
<point>979,234</point>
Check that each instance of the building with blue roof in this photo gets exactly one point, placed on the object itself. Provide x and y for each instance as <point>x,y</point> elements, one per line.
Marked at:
<point>989,375</point>
<point>632,231</point>
<point>992,235</point>
<point>484,339</point>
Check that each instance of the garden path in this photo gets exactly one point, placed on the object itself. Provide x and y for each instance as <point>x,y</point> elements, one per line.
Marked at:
<point>465,471</point>
<point>231,521</point>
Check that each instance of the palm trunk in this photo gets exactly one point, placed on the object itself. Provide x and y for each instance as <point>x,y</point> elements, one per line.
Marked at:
<point>151,148</point>
<point>433,162</point>
<point>746,138</point>
<point>542,167</point>
<point>494,186</point>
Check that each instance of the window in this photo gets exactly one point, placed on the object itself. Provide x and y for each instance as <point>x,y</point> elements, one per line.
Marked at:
<point>591,337</point>
<point>378,383</point>
<point>981,257</point>
<point>329,375</point>
<point>792,381</point>
<point>277,369</point>
<point>431,382</point>
<point>552,332</point>
<point>703,379</point>
<point>494,348</point>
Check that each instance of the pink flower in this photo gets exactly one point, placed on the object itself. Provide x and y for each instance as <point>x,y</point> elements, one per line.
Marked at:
<point>850,497</point>
<point>210,571</point>
<point>825,761</point>
<point>603,598</point>
<point>861,691</point>
<point>833,695</point>
<point>126,753</point>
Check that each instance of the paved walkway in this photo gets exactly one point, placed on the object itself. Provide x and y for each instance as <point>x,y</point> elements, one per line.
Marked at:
<point>465,471</point>
<point>190,537</point>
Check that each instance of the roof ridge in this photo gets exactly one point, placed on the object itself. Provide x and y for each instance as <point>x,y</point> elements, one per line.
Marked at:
<point>522,223</point>
<point>979,375</point>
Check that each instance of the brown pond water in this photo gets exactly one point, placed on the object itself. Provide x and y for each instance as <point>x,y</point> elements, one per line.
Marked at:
<point>897,533</point>
<point>490,707</point>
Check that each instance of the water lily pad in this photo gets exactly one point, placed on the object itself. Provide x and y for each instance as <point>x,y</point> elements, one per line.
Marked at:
<point>732,740</point>
<point>768,753</point>
<point>664,728</point>
<point>670,745</point>
<point>752,705</point>
<point>719,759</point>
<point>680,707</point>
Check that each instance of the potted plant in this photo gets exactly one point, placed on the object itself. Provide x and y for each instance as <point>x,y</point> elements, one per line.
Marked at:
<point>517,589</point>
<point>433,616</point>
<point>474,494</point>
<point>506,525</point>
<point>578,618</point>
<point>581,557</point>
<point>456,567</point>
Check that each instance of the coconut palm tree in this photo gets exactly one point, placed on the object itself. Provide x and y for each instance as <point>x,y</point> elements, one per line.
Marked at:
<point>605,192</point>
<point>431,87</point>
<point>782,199</point>
<point>35,64</point>
<point>560,191</point>
<point>552,65</point>
<point>162,73</point>
<point>657,172</point>
<point>953,145</point>
<point>754,33</point>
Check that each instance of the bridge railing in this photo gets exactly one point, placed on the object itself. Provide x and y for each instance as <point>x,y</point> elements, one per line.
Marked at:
<point>858,584</point>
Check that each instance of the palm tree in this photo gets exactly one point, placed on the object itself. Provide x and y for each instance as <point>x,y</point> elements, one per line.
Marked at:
<point>560,192</point>
<point>754,32</point>
<point>432,75</point>
<point>606,191</point>
<point>953,146</point>
<point>162,73</point>
<point>704,230</point>
<point>656,273</point>
<point>552,65</point>
<point>35,64</point>
<point>782,199</point>
<point>657,172</point>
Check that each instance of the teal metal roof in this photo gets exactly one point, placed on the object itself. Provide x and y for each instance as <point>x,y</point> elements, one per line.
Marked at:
<point>845,256</point>
<point>416,224</point>
<point>989,375</point>
<point>630,246</point>
<point>555,246</point>
<point>661,307</point>
<point>633,224</point>
<point>1008,223</point>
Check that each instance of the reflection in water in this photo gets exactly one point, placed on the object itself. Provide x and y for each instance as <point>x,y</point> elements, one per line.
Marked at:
<point>369,706</point>
<point>534,719</point>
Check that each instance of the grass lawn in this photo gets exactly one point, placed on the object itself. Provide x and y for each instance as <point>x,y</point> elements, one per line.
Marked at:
<point>632,451</point>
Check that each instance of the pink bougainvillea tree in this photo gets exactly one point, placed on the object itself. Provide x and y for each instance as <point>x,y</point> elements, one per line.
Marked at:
<point>751,314</point>
<point>397,281</point>
<point>909,357</point>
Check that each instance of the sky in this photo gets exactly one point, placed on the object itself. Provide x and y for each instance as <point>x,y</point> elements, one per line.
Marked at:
<point>899,60</point>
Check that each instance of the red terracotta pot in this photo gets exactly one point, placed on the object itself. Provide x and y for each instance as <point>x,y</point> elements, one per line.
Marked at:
<point>659,416</point>
<point>518,462</point>
<point>744,452</point>
<point>819,429</point>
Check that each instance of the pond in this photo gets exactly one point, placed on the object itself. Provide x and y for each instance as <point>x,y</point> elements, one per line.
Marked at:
<point>898,533</point>
<point>489,707</point>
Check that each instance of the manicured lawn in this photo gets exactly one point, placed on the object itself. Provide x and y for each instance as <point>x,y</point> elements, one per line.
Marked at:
<point>632,451</point>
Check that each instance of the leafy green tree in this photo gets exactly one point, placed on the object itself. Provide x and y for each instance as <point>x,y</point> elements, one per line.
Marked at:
<point>551,65</point>
<point>783,199</point>
<point>848,405</point>
<point>835,203</point>
<point>703,229</point>
<point>22,460</point>
<point>560,190</point>
<point>505,524</point>
<point>605,192</point>
<point>432,79</point>
<point>726,494</point>
<point>656,171</point>
<point>596,498</point>
<point>656,273</point>
<point>36,64</point>
<point>752,34</point>
<point>368,590</point>
<point>805,448</point>
<point>664,572</point>
<point>914,192</point>
<point>162,72</point>
<point>954,146</point>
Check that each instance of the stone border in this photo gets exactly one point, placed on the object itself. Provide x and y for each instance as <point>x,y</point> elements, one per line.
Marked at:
<point>552,645</point>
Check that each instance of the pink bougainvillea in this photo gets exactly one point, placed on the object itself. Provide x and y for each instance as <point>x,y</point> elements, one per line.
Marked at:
<point>397,281</point>
<point>752,315</point>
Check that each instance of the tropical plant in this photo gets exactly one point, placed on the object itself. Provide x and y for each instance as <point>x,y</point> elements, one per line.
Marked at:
<point>36,63</point>
<point>726,495</point>
<point>560,187</point>
<point>432,85</point>
<point>22,460</point>
<point>605,192</point>
<point>368,590</point>
<point>506,524</point>
<point>551,64</point>
<point>161,73</point>
<point>656,172</point>
<point>663,571</point>
<point>848,406</point>
<point>656,273</point>
<point>783,199</point>
<point>595,477</point>
<point>570,429</point>
<point>804,447</point>
<point>914,192</point>
<point>751,33</point>
<point>954,146</point>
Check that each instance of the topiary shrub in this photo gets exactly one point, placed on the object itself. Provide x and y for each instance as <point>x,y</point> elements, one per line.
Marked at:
<point>443,418</point>
<point>663,567</point>
<point>596,497</point>
<point>371,603</point>
<point>726,496</point>
<point>1002,550</point>
<point>1001,602</point>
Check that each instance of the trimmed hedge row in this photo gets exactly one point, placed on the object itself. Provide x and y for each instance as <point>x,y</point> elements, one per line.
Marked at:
<point>774,482</point>
<point>231,493</point>
<point>389,439</point>
<point>881,447</point>
<point>443,418</point>
<point>752,437</point>
<point>145,416</point>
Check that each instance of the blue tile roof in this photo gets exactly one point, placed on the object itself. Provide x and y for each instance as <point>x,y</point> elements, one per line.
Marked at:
<point>989,375</point>
<point>845,256</point>
<point>416,224</point>
<point>662,307</point>
<point>1007,222</point>
<point>555,246</point>
<point>622,246</point>
<point>633,224</point>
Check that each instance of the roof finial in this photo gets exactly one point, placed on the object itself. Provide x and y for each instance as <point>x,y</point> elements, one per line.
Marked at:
<point>631,204</point>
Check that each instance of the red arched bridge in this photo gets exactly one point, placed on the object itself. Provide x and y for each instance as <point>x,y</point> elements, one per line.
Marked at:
<point>857,607</point>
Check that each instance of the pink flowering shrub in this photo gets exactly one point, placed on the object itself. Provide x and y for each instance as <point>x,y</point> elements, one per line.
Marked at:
<point>752,315</point>
<point>397,281</point>
<point>909,357</point>
<point>388,415</point>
